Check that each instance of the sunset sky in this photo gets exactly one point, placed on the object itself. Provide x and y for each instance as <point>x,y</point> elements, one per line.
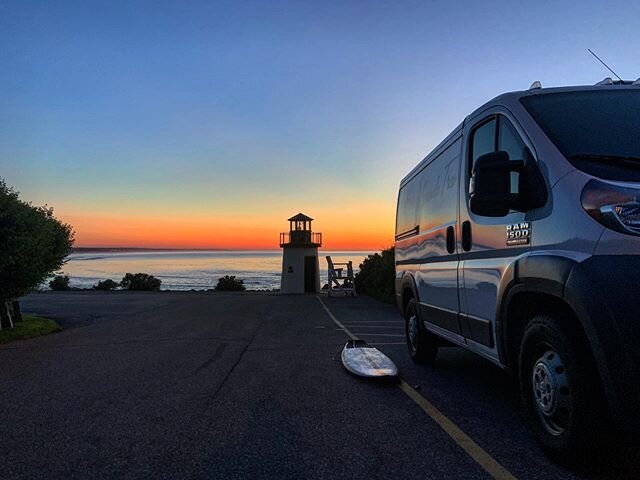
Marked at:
<point>208,124</point>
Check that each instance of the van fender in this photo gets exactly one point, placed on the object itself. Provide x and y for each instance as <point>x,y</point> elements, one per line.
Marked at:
<point>407,282</point>
<point>570,281</point>
<point>545,274</point>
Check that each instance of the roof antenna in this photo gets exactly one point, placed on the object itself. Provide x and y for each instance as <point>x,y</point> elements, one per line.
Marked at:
<point>607,66</point>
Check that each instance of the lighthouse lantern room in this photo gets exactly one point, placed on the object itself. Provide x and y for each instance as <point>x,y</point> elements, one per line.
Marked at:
<point>300,267</point>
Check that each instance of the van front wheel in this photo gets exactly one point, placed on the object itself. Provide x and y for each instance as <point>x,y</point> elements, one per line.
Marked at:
<point>422,345</point>
<point>559,389</point>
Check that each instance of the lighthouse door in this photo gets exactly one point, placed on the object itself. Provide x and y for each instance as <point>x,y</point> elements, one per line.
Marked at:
<point>309,274</point>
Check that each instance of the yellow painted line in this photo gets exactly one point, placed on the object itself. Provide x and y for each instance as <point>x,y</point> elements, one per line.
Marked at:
<point>335,320</point>
<point>475,451</point>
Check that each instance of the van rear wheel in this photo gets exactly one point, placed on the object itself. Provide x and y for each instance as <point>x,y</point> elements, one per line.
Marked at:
<point>559,389</point>
<point>422,345</point>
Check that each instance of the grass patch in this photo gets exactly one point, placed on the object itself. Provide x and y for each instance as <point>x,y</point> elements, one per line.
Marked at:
<point>28,328</point>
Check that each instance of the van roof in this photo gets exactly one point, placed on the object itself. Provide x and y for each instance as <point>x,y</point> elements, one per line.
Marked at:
<point>507,99</point>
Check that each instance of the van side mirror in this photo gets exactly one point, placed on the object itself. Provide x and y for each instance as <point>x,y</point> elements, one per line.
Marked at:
<point>490,185</point>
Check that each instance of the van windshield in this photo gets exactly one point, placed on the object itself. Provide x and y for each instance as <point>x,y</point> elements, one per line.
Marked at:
<point>597,130</point>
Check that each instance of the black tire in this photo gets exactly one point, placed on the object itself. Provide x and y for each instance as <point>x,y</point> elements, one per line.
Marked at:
<point>422,345</point>
<point>560,390</point>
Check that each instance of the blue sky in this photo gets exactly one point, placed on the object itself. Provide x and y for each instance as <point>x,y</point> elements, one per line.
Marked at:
<point>255,110</point>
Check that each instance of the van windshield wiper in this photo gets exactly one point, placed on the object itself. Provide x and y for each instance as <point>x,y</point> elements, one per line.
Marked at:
<point>617,160</point>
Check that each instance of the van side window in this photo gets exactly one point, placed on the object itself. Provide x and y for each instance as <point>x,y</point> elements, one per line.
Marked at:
<point>510,142</point>
<point>494,135</point>
<point>408,202</point>
<point>484,141</point>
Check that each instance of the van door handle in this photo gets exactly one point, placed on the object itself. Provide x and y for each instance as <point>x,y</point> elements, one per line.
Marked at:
<point>466,235</point>
<point>451,239</point>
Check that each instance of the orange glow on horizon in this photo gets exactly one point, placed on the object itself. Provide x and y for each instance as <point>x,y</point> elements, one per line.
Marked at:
<point>339,232</point>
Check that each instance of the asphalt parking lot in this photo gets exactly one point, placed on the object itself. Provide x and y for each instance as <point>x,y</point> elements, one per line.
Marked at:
<point>214,385</point>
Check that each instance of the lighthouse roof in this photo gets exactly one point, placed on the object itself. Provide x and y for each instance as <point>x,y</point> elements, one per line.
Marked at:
<point>300,216</point>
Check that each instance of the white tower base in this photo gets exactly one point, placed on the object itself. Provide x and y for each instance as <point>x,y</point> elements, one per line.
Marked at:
<point>300,270</point>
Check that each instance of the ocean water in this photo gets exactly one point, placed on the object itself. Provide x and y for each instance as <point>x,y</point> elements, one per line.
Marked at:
<point>186,270</point>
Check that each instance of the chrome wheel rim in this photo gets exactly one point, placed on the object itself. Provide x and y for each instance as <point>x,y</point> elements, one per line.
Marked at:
<point>412,331</point>
<point>551,393</point>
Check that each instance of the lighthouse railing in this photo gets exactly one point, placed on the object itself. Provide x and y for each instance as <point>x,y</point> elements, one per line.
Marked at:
<point>301,237</point>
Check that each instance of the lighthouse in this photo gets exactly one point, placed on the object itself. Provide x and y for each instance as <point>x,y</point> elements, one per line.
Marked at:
<point>300,268</point>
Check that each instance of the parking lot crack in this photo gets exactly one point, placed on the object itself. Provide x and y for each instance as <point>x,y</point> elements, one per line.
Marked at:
<point>216,356</point>
<point>233,367</point>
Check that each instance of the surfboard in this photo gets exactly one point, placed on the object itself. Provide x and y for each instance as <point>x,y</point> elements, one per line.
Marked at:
<point>362,359</point>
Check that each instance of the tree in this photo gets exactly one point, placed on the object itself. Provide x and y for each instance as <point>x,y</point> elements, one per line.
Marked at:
<point>59,282</point>
<point>376,277</point>
<point>140,282</point>
<point>107,285</point>
<point>33,242</point>
<point>230,284</point>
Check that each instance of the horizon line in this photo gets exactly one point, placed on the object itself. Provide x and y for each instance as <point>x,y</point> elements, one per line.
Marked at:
<point>169,249</point>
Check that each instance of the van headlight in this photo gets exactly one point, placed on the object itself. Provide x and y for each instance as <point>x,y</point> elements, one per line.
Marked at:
<point>615,207</point>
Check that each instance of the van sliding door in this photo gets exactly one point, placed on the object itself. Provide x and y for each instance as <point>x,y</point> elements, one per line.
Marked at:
<point>436,246</point>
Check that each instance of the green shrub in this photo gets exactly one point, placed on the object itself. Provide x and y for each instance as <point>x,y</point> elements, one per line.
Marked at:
<point>377,274</point>
<point>59,282</point>
<point>230,284</point>
<point>107,284</point>
<point>140,282</point>
<point>33,244</point>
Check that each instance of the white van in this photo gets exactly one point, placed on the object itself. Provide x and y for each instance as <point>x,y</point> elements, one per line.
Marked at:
<point>518,238</point>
